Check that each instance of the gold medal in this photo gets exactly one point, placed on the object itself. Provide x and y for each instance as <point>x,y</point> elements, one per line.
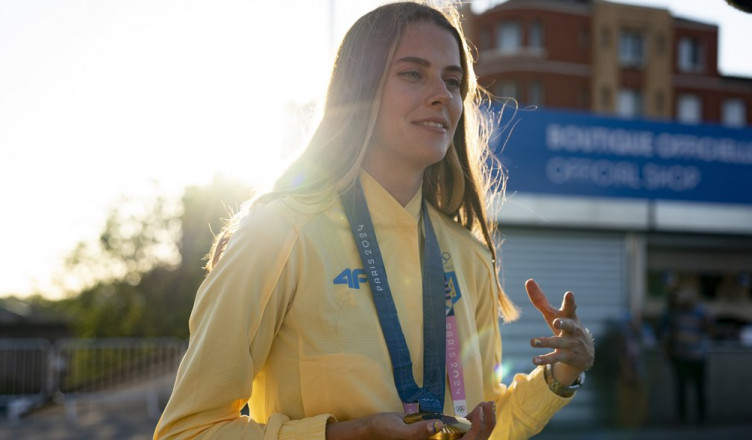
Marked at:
<point>454,427</point>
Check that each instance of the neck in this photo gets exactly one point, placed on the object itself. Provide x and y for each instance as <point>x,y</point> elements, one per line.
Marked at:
<point>402,186</point>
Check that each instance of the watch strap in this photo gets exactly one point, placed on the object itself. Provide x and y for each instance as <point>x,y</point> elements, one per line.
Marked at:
<point>558,388</point>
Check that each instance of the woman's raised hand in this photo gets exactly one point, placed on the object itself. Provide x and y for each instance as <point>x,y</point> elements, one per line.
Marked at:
<point>574,347</point>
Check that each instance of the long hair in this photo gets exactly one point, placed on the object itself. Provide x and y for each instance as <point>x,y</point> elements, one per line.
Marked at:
<point>458,185</point>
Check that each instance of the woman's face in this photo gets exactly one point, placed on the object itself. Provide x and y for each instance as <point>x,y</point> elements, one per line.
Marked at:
<point>421,103</point>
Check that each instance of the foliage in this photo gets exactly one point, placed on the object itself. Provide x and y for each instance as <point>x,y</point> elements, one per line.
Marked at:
<point>138,236</point>
<point>141,277</point>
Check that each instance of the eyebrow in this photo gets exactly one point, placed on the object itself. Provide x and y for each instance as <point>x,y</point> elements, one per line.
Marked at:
<point>425,63</point>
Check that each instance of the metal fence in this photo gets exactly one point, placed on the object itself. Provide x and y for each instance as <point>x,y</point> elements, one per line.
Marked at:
<point>26,378</point>
<point>73,372</point>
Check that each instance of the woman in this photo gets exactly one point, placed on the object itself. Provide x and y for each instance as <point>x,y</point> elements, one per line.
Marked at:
<point>327,301</point>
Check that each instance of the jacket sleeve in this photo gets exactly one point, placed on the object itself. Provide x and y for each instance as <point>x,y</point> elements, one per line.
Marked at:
<point>524,407</point>
<point>237,313</point>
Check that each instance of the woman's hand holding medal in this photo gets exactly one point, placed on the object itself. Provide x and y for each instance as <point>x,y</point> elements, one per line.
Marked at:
<point>394,426</point>
<point>483,419</point>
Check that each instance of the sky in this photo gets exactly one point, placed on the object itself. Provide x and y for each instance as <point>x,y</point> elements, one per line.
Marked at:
<point>104,99</point>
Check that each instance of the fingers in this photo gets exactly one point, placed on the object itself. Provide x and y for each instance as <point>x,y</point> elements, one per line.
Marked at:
<point>421,430</point>
<point>568,326</point>
<point>392,425</point>
<point>431,428</point>
<point>483,419</point>
<point>568,305</point>
<point>489,419</point>
<point>538,298</point>
<point>548,358</point>
<point>553,342</point>
<point>574,346</point>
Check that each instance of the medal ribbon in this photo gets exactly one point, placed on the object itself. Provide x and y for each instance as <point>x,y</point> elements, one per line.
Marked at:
<point>430,397</point>
<point>454,365</point>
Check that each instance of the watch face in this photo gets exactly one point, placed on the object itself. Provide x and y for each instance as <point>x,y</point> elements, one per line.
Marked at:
<point>454,427</point>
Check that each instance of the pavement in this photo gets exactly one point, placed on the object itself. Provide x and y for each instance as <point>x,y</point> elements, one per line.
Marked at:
<point>131,421</point>
<point>123,421</point>
<point>126,415</point>
<point>714,432</point>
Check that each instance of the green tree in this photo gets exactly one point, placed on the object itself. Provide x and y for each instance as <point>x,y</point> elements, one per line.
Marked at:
<point>141,277</point>
<point>171,291</point>
<point>139,235</point>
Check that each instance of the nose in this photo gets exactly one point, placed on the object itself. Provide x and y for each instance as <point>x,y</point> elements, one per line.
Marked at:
<point>439,93</point>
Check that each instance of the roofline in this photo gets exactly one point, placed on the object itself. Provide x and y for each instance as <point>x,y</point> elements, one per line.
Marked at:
<point>545,5</point>
<point>694,24</point>
<point>586,9</point>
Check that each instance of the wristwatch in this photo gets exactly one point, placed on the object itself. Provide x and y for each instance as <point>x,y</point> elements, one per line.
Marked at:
<point>559,389</point>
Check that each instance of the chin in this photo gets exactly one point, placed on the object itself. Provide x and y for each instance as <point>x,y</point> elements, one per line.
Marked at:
<point>437,155</point>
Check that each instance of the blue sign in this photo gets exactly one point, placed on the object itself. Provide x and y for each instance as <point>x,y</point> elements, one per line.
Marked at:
<point>553,152</point>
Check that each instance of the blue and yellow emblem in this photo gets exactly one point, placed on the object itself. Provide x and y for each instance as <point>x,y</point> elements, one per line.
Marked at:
<point>452,292</point>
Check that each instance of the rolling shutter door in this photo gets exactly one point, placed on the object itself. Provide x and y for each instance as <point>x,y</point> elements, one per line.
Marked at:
<point>593,265</point>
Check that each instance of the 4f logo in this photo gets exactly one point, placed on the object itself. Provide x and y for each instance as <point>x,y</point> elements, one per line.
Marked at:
<point>352,277</point>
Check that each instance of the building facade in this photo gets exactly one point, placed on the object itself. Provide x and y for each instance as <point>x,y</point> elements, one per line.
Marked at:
<point>629,165</point>
<point>608,58</point>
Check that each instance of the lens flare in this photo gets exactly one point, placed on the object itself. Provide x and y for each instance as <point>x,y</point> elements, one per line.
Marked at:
<point>501,371</point>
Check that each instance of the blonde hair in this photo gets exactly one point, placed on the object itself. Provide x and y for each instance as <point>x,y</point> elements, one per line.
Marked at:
<point>458,186</point>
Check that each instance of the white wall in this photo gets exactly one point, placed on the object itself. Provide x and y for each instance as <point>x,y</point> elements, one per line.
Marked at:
<point>625,214</point>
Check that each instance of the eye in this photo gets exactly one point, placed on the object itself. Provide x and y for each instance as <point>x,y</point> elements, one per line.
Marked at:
<point>453,84</point>
<point>411,74</point>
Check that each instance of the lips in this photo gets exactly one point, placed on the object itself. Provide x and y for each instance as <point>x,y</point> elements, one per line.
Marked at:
<point>433,123</point>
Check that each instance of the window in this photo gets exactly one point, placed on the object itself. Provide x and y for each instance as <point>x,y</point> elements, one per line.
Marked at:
<point>535,93</point>
<point>690,55</point>
<point>485,39</point>
<point>508,36</point>
<point>631,49</point>
<point>629,103</point>
<point>535,35</point>
<point>506,89</point>
<point>733,113</point>
<point>689,109</point>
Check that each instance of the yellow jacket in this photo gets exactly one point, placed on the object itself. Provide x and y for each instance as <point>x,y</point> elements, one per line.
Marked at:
<point>286,323</point>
